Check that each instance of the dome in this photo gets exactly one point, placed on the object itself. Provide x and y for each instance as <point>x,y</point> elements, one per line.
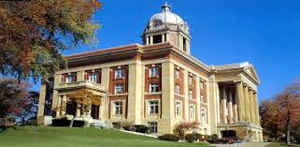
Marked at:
<point>166,17</point>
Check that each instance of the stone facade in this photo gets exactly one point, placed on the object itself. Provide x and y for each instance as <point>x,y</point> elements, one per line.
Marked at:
<point>158,84</point>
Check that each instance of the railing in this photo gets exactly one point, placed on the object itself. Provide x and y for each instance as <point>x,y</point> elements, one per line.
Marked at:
<point>80,84</point>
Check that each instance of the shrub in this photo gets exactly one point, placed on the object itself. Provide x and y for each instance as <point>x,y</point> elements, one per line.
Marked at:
<point>169,137</point>
<point>116,125</point>
<point>191,137</point>
<point>213,138</point>
<point>141,128</point>
<point>127,126</point>
<point>180,129</point>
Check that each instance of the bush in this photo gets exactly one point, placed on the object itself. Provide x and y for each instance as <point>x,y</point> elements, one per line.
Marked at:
<point>191,137</point>
<point>213,138</point>
<point>141,128</point>
<point>181,128</point>
<point>169,137</point>
<point>116,125</point>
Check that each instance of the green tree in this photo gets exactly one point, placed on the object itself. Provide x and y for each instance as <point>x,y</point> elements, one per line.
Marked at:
<point>33,33</point>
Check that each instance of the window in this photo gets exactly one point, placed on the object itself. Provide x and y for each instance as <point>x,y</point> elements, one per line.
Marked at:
<point>201,85</point>
<point>157,39</point>
<point>118,108</point>
<point>178,108</point>
<point>203,115</point>
<point>153,88</point>
<point>192,112</point>
<point>190,80</point>
<point>118,74</point>
<point>190,94</point>
<point>119,89</point>
<point>153,107</point>
<point>93,77</point>
<point>71,77</point>
<point>153,72</point>
<point>184,44</point>
<point>177,89</point>
<point>177,74</point>
<point>152,127</point>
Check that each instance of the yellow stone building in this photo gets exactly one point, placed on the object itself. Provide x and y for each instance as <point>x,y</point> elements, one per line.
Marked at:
<point>159,84</point>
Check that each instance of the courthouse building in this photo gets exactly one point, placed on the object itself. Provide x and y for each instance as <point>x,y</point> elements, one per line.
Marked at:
<point>157,83</point>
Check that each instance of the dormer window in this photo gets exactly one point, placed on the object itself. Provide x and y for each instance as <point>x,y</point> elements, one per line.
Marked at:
<point>157,39</point>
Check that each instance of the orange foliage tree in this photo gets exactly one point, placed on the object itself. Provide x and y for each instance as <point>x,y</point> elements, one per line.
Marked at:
<point>281,115</point>
<point>33,33</point>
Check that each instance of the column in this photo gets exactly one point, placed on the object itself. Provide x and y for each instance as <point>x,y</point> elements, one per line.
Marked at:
<point>186,95</point>
<point>240,99</point>
<point>224,102</point>
<point>235,108</point>
<point>163,37</point>
<point>41,108</point>
<point>252,110</point>
<point>80,76</point>
<point>105,99</point>
<point>247,104</point>
<point>198,109</point>
<point>257,119</point>
<point>58,106</point>
<point>78,105</point>
<point>64,105</point>
<point>230,108</point>
<point>135,92</point>
<point>151,39</point>
<point>166,124</point>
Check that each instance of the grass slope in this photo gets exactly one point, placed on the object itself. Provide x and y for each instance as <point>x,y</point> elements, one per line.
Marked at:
<point>79,137</point>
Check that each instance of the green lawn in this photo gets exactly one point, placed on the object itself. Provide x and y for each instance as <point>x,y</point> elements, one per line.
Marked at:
<point>79,137</point>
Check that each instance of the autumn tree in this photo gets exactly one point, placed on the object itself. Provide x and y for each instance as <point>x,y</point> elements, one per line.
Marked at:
<point>13,97</point>
<point>33,34</point>
<point>289,105</point>
<point>281,114</point>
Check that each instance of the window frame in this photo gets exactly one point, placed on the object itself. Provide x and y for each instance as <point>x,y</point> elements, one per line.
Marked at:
<point>153,107</point>
<point>154,87</point>
<point>119,89</point>
<point>119,74</point>
<point>118,108</point>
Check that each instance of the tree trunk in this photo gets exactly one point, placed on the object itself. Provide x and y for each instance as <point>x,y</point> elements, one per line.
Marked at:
<point>288,129</point>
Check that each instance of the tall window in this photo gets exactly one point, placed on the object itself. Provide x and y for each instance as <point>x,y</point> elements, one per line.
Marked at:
<point>192,112</point>
<point>153,72</point>
<point>177,74</point>
<point>119,74</point>
<point>152,127</point>
<point>118,108</point>
<point>153,107</point>
<point>190,94</point>
<point>119,89</point>
<point>203,115</point>
<point>153,88</point>
<point>184,44</point>
<point>177,89</point>
<point>178,109</point>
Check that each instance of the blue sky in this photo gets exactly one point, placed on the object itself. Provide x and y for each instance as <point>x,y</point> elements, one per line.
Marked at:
<point>264,32</point>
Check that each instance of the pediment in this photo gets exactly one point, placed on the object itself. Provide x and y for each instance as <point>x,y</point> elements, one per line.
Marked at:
<point>252,73</point>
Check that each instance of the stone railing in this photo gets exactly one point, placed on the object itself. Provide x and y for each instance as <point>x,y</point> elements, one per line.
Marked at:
<point>79,84</point>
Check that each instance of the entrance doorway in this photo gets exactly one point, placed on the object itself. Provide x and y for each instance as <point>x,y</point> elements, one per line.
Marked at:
<point>71,108</point>
<point>228,133</point>
<point>95,112</point>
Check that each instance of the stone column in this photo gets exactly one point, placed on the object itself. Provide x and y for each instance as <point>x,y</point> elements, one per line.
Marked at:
<point>252,110</point>
<point>230,108</point>
<point>135,92</point>
<point>80,76</point>
<point>58,106</point>
<point>257,119</point>
<point>198,110</point>
<point>163,38</point>
<point>224,103</point>
<point>240,99</point>
<point>166,125</point>
<point>247,104</point>
<point>41,108</point>
<point>186,95</point>
<point>105,99</point>
<point>151,39</point>
<point>78,105</point>
<point>64,105</point>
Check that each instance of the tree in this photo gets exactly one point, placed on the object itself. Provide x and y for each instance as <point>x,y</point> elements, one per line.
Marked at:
<point>13,97</point>
<point>281,114</point>
<point>289,105</point>
<point>33,33</point>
